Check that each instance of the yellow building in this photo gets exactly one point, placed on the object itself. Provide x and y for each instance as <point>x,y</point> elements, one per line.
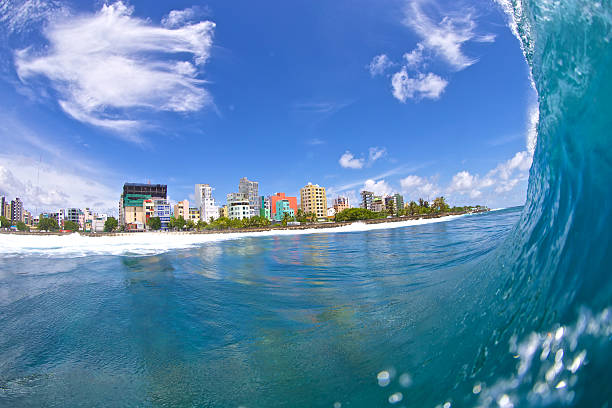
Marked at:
<point>223,211</point>
<point>194,214</point>
<point>313,200</point>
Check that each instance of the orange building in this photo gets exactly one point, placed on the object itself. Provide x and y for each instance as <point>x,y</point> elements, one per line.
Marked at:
<point>282,196</point>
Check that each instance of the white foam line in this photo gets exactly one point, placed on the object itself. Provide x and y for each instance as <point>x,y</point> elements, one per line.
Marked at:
<point>150,243</point>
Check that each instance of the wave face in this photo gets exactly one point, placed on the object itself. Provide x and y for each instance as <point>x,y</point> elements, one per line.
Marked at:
<point>556,265</point>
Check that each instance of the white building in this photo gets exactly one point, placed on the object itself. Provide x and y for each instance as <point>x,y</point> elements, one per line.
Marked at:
<point>205,202</point>
<point>238,206</point>
<point>97,223</point>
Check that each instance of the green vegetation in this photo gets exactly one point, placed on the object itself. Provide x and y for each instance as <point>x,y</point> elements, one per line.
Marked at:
<point>437,206</point>
<point>305,218</point>
<point>354,214</point>
<point>5,222</point>
<point>224,223</point>
<point>176,223</point>
<point>47,224</point>
<point>154,223</point>
<point>21,226</point>
<point>71,225</point>
<point>110,224</point>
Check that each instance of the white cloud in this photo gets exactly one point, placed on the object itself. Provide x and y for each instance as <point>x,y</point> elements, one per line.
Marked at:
<point>44,187</point>
<point>379,64</point>
<point>348,161</point>
<point>415,58</point>
<point>376,153</point>
<point>415,186</point>
<point>506,175</point>
<point>21,15</point>
<point>104,67</point>
<point>410,182</point>
<point>422,86</point>
<point>465,183</point>
<point>443,39</point>
<point>177,18</point>
<point>446,37</point>
<point>380,187</point>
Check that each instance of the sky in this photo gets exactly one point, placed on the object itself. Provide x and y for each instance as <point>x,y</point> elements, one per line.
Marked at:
<point>420,97</point>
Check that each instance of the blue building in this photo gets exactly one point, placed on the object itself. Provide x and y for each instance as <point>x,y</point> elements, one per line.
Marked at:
<point>283,207</point>
<point>162,210</point>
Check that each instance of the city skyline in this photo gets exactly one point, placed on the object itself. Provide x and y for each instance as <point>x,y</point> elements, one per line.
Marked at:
<point>388,111</point>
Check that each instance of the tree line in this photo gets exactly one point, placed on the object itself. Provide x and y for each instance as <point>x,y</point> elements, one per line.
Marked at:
<point>422,207</point>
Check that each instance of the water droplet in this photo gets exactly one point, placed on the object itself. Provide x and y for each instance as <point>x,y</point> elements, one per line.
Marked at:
<point>559,333</point>
<point>384,378</point>
<point>504,402</point>
<point>405,380</point>
<point>559,355</point>
<point>395,398</point>
<point>477,388</point>
<point>577,362</point>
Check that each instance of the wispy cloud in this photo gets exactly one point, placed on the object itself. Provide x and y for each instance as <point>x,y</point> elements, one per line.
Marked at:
<point>380,64</point>
<point>446,37</point>
<point>320,107</point>
<point>439,39</point>
<point>21,15</point>
<point>376,153</point>
<point>45,187</point>
<point>315,141</point>
<point>507,174</point>
<point>106,67</point>
<point>178,18</point>
<point>50,176</point>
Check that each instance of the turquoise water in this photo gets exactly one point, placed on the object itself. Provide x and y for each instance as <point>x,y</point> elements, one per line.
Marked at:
<point>502,309</point>
<point>303,320</point>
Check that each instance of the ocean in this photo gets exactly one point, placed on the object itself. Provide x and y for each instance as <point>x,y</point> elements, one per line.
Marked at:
<point>504,309</point>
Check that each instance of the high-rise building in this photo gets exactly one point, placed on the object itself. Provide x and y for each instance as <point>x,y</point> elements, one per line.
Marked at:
<point>340,204</point>
<point>251,190</point>
<point>367,198</point>
<point>181,209</point>
<point>394,203</point>
<point>313,200</point>
<point>131,203</point>
<point>292,201</point>
<point>238,206</point>
<point>75,215</point>
<point>3,208</point>
<point>16,210</point>
<point>205,202</point>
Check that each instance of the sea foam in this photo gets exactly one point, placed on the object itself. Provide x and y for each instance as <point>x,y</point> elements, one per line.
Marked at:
<point>151,243</point>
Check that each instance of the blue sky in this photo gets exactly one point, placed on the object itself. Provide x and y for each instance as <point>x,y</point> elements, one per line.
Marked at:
<point>424,98</point>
